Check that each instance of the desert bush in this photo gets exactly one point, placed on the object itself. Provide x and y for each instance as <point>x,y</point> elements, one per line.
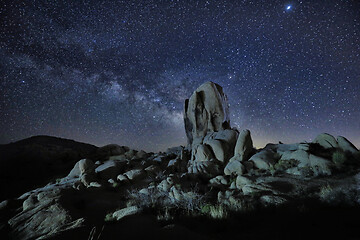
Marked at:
<point>164,214</point>
<point>241,204</point>
<point>339,158</point>
<point>340,195</point>
<point>205,209</point>
<point>191,201</point>
<point>156,200</point>
<point>153,199</point>
<point>325,192</point>
<point>272,170</point>
<point>218,211</point>
<point>307,171</point>
<point>283,165</point>
<point>160,175</point>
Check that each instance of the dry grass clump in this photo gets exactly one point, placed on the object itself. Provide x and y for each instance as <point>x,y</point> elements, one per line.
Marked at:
<point>339,195</point>
<point>217,211</point>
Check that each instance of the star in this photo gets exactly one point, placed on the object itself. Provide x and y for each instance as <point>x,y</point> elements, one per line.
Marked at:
<point>119,71</point>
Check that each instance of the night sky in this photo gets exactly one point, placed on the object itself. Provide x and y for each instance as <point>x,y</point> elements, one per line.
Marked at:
<point>105,72</point>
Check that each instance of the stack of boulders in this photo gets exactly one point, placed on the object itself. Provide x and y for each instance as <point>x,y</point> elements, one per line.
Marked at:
<point>216,148</point>
<point>243,150</point>
<point>305,159</point>
<point>214,151</point>
<point>85,171</point>
<point>327,141</point>
<point>208,130</point>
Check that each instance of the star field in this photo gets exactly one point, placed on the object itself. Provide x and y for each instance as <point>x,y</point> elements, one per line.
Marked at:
<point>119,71</point>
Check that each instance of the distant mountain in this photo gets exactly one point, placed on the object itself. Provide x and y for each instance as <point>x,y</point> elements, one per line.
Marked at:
<point>35,161</point>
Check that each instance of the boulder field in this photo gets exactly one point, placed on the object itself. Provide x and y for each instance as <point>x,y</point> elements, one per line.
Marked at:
<point>218,175</point>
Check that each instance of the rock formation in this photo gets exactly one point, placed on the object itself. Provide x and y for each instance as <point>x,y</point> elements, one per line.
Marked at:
<point>326,140</point>
<point>206,111</point>
<point>219,171</point>
<point>346,145</point>
<point>207,126</point>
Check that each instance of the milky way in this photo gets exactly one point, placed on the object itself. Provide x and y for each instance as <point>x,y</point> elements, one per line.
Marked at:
<point>119,71</point>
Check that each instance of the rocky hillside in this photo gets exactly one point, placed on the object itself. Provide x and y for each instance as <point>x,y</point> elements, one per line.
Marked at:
<point>217,187</point>
<point>37,160</point>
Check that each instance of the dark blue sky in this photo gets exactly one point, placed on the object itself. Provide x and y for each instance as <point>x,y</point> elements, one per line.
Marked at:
<point>119,71</point>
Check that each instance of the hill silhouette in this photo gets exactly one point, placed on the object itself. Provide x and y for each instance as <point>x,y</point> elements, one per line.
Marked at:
<point>34,161</point>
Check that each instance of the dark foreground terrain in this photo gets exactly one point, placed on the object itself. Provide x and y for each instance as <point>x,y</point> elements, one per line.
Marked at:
<point>263,204</point>
<point>34,161</point>
<point>290,222</point>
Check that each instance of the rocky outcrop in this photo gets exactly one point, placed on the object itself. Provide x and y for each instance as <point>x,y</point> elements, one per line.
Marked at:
<point>43,215</point>
<point>204,168</point>
<point>264,159</point>
<point>84,170</point>
<point>120,214</point>
<point>211,153</point>
<point>37,160</point>
<point>206,111</point>
<point>219,171</point>
<point>301,162</point>
<point>244,146</point>
<point>207,126</point>
<point>346,145</point>
<point>221,143</point>
<point>112,150</point>
<point>135,174</point>
<point>326,141</point>
<point>110,169</point>
<point>218,180</point>
<point>243,150</point>
<point>234,168</point>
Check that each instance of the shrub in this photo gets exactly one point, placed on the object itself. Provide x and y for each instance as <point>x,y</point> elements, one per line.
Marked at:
<point>339,195</point>
<point>339,158</point>
<point>241,205</point>
<point>160,175</point>
<point>307,171</point>
<point>272,170</point>
<point>164,215</point>
<point>325,192</point>
<point>218,212</point>
<point>205,209</point>
<point>191,202</point>
<point>283,165</point>
<point>154,198</point>
<point>214,211</point>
